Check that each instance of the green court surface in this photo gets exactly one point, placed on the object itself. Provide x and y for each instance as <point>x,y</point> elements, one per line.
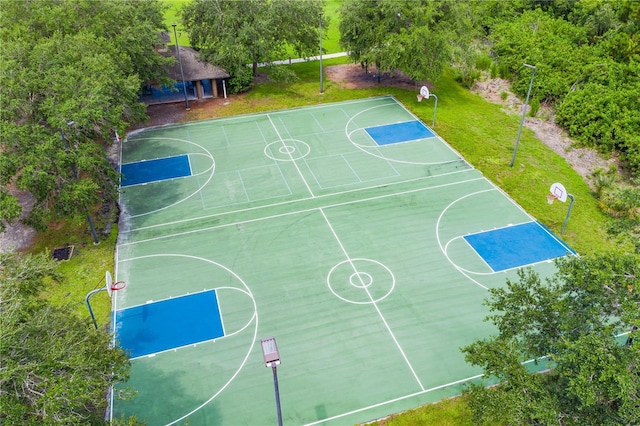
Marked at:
<point>351,254</point>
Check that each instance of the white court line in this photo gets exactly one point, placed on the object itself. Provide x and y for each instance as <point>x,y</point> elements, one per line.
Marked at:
<point>446,247</point>
<point>391,401</point>
<point>198,190</point>
<point>253,340</point>
<point>263,114</point>
<point>366,148</point>
<point>558,240</point>
<point>291,156</point>
<point>177,222</point>
<point>244,188</point>
<point>345,203</point>
<point>384,321</point>
<point>316,120</point>
<point>435,133</point>
<point>276,162</point>
<point>473,249</point>
<point>442,248</point>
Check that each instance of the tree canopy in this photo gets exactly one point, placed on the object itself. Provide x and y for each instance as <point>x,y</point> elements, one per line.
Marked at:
<point>71,72</point>
<point>56,368</point>
<point>587,56</point>
<point>577,324</point>
<point>233,34</point>
<point>587,53</point>
<point>420,38</point>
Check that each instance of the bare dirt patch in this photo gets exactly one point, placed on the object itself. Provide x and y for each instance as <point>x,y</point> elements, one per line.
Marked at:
<point>353,76</point>
<point>585,161</point>
<point>18,236</point>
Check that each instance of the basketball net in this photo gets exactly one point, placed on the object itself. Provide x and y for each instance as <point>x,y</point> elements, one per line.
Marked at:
<point>420,97</point>
<point>551,198</point>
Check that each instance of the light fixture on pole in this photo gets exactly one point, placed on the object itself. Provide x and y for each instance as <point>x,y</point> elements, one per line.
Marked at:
<point>321,88</point>
<point>524,112</point>
<point>184,86</point>
<point>272,359</point>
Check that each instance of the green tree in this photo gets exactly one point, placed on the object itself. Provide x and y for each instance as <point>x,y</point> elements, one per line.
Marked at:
<point>557,48</point>
<point>56,368</point>
<point>575,324</point>
<point>601,111</point>
<point>232,34</point>
<point>587,56</point>
<point>70,76</point>
<point>420,38</point>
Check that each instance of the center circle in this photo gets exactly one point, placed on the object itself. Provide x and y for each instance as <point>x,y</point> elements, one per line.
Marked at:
<point>361,281</point>
<point>287,149</point>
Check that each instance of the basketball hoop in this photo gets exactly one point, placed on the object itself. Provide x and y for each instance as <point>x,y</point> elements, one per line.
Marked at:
<point>551,198</point>
<point>111,285</point>
<point>118,285</point>
<point>424,93</point>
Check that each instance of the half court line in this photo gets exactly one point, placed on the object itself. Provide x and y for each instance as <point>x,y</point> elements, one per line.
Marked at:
<point>384,321</point>
<point>294,212</point>
<point>291,157</point>
<point>178,222</point>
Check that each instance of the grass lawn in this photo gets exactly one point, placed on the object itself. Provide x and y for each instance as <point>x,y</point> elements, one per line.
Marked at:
<point>84,271</point>
<point>479,130</point>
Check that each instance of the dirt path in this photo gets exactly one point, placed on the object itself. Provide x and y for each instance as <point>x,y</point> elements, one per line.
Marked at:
<point>583,160</point>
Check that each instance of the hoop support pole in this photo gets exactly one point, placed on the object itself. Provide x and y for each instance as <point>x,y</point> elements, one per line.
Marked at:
<point>566,219</point>
<point>435,107</point>
<point>86,299</point>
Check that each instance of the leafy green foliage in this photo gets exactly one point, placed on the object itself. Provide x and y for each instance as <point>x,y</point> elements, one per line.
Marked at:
<point>557,48</point>
<point>71,72</point>
<point>570,322</point>
<point>233,34</point>
<point>623,203</point>
<point>9,206</point>
<point>587,56</point>
<point>420,38</point>
<point>56,368</point>
<point>603,112</point>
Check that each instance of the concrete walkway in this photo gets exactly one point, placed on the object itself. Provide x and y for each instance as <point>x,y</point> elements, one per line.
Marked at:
<point>312,58</point>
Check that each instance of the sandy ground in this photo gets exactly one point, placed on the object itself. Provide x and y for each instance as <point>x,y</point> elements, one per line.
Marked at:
<point>583,160</point>
<point>351,76</point>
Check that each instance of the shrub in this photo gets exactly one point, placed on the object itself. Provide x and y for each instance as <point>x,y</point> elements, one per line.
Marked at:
<point>483,62</point>
<point>241,80</point>
<point>493,71</point>
<point>535,107</point>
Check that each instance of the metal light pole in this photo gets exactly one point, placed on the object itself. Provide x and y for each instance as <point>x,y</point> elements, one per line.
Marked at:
<point>184,86</point>
<point>524,112</point>
<point>321,88</point>
<point>272,359</point>
<point>75,175</point>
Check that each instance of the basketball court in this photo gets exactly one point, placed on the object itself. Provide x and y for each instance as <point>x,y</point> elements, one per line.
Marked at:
<point>350,232</point>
